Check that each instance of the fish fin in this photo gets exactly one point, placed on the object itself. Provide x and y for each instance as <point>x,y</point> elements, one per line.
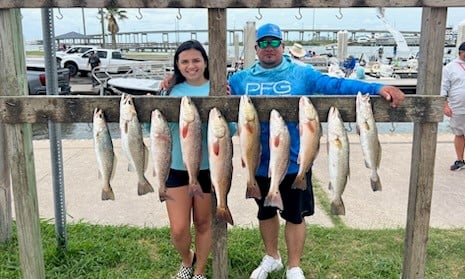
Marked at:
<point>276,141</point>
<point>216,147</point>
<point>357,129</point>
<point>274,199</point>
<point>154,172</point>
<point>144,187</point>
<point>300,182</point>
<point>375,182</point>
<point>146,156</point>
<point>330,186</point>
<point>249,128</point>
<point>163,196</point>
<point>378,159</point>
<point>243,163</point>
<point>131,168</point>
<point>225,215</point>
<point>195,190</point>
<point>107,193</point>
<point>310,127</point>
<point>113,171</point>
<point>184,131</point>
<point>337,207</point>
<point>253,191</point>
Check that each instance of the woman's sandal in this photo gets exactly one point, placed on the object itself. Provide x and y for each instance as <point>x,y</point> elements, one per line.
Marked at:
<point>186,272</point>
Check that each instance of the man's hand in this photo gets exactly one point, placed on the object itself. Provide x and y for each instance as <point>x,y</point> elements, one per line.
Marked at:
<point>392,94</point>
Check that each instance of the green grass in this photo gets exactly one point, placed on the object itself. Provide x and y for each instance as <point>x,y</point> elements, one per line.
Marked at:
<point>340,252</point>
<point>127,252</point>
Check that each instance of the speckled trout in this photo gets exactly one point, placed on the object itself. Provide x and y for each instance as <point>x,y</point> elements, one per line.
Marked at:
<point>133,144</point>
<point>310,134</point>
<point>160,149</point>
<point>249,139</point>
<point>338,160</point>
<point>220,153</point>
<point>190,131</point>
<point>280,142</point>
<point>106,159</point>
<point>371,148</point>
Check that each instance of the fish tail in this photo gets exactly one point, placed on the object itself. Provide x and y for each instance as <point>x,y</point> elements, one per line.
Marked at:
<point>144,187</point>
<point>274,199</point>
<point>300,182</point>
<point>195,189</point>
<point>163,196</point>
<point>223,213</point>
<point>253,191</point>
<point>375,182</point>
<point>107,193</point>
<point>337,207</point>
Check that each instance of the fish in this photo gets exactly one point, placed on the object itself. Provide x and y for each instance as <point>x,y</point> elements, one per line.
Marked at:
<point>220,153</point>
<point>338,160</point>
<point>369,141</point>
<point>106,159</point>
<point>160,149</point>
<point>132,143</point>
<point>280,142</point>
<point>249,140</point>
<point>190,131</point>
<point>310,133</point>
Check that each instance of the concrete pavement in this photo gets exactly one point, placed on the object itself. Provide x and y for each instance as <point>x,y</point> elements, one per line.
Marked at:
<point>364,209</point>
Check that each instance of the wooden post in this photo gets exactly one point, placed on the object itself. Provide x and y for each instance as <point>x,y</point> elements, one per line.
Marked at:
<point>6,221</point>
<point>424,145</point>
<point>13,76</point>
<point>217,66</point>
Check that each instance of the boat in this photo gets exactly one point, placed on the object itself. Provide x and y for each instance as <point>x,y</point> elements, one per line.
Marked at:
<point>134,86</point>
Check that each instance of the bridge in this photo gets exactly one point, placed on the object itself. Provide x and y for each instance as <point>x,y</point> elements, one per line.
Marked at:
<point>168,40</point>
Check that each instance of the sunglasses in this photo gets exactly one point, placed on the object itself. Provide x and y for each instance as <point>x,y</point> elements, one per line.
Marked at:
<point>273,43</point>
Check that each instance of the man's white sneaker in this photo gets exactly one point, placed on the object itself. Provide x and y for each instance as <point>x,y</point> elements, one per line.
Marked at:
<point>268,264</point>
<point>295,273</point>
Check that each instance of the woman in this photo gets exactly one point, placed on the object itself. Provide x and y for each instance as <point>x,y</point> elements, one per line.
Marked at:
<point>190,78</point>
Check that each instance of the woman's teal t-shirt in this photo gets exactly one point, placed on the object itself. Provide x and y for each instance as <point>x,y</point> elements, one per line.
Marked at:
<point>179,90</point>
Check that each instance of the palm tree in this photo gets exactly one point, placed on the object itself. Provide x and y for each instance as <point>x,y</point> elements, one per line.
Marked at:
<point>111,15</point>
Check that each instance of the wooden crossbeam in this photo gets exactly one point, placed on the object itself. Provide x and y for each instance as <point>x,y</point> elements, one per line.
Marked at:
<point>69,109</point>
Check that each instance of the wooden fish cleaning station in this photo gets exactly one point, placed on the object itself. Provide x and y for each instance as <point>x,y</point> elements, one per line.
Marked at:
<point>18,111</point>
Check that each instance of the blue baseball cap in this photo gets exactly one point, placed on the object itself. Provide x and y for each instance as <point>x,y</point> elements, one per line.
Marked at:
<point>269,30</point>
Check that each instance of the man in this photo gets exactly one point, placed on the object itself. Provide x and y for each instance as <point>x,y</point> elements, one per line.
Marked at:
<point>453,87</point>
<point>94,61</point>
<point>275,74</point>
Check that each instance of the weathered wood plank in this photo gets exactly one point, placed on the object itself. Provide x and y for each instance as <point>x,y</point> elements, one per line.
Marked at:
<point>217,64</point>
<point>424,146</point>
<point>6,220</point>
<point>20,150</point>
<point>68,109</point>
<point>225,3</point>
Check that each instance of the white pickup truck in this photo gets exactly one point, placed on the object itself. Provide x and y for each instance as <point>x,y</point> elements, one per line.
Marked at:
<point>111,60</point>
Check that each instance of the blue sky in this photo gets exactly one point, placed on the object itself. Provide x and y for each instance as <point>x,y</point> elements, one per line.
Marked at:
<point>403,19</point>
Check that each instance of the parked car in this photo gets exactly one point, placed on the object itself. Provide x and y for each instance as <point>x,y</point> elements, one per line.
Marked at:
<point>108,58</point>
<point>73,50</point>
<point>36,80</point>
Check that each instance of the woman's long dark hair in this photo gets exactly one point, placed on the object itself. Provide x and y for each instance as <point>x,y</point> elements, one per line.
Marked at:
<point>177,76</point>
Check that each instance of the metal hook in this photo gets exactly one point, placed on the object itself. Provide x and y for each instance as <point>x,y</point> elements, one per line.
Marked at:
<point>340,16</point>
<point>140,16</point>
<point>218,14</point>
<point>299,17</point>
<point>60,14</point>
<point>393,128</point>
<point>179,16</point>
<point>260,16</point>
<point>350,127</point>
